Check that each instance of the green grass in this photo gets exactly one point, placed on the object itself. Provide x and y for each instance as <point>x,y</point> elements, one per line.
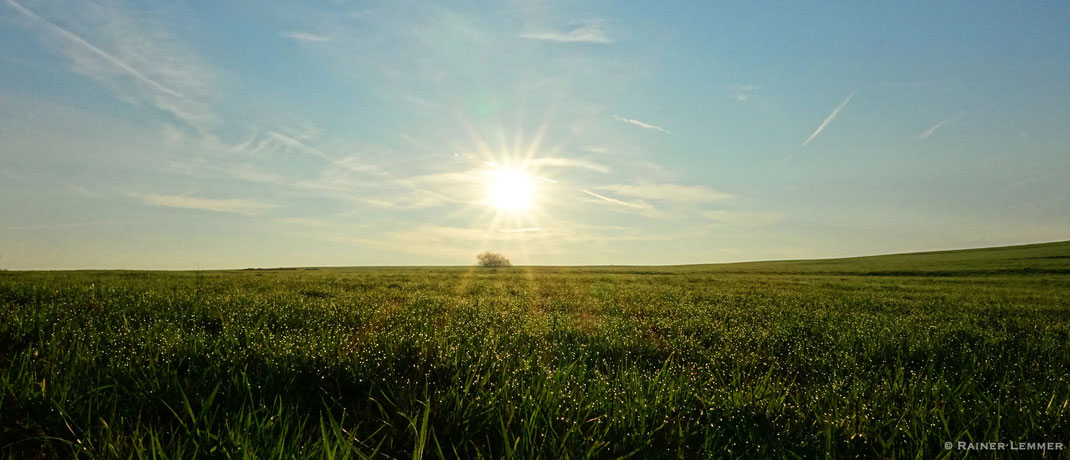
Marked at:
<point>886,356</point>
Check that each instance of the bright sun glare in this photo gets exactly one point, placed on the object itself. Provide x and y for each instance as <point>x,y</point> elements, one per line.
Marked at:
<point>511,190</point>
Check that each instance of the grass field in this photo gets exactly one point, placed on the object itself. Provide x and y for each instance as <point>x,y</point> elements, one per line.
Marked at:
<point>885,356</point>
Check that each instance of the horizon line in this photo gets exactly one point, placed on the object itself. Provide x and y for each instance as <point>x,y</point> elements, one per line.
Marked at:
<point>317,267</point>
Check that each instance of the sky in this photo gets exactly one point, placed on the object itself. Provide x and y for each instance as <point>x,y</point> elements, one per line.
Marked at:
<point>184,135</point>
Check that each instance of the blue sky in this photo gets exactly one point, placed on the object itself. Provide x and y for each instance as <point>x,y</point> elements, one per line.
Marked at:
<point>177,135</point>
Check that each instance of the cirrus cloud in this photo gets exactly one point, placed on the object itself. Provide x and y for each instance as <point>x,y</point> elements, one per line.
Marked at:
<point>588,32</point>
<point>235,206</point>
<point>669,192</point>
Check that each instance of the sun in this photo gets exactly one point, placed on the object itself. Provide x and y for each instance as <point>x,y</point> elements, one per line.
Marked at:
<point>510,189</point>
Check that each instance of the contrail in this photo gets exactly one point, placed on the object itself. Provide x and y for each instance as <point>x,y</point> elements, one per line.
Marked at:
<point>829,119</point>
<point>929,132</point>
<point>610,200</point>
<point>641,124</point>
<point>92,48</point>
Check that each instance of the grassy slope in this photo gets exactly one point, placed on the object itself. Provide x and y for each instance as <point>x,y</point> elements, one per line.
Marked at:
<point>862,356</point>
<point>1031,258</point>
<point>1051,258</point>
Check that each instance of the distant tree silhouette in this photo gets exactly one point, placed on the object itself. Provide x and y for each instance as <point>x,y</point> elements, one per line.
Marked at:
<point>492,260</point>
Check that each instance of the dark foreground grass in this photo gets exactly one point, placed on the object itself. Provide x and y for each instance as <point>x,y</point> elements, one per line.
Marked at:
<point>870,357</point>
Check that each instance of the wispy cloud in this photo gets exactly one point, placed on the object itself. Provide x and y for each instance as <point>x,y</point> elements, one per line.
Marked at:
<point>669,192</point>
<point>588,32</point>
<point>640,124</point>
<point>569,163</point>
<point>304,140</point>
<point>87,46</point>
<point>641,207</point>
<point>140,63</point>
<point>348,177</point>
<point>742,92</point>
<point>307,37</point>
<point>932,129</point>
<point>613,200</point>
<point>828,119</point>
<point>236,206</point>
<point>289,141</point>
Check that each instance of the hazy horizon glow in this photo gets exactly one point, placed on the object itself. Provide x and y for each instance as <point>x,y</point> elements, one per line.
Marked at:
<point>239,134</point>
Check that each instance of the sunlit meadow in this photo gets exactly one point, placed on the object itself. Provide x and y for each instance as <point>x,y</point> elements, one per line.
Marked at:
<point>872,357</point>
<point>525,229</point>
